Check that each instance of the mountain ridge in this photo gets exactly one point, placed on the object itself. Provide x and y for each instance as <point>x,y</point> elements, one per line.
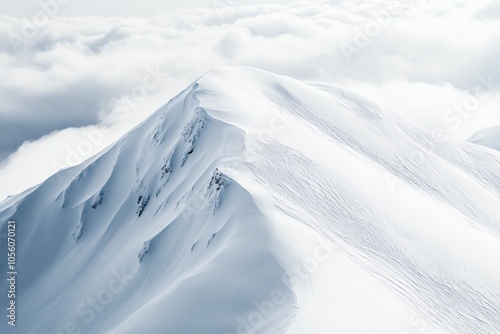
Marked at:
<point>489,137</point>
<point>214,201</point>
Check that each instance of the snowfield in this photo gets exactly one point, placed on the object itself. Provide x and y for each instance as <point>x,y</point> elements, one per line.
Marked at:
<point>255,203</point>
<point>488,137</point>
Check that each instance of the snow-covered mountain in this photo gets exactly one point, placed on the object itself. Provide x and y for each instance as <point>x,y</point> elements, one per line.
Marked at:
<point>255,203</point>
<point>489,137</point>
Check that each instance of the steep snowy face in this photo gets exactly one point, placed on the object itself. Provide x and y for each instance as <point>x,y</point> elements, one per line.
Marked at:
<point>137,239</point>
<point>488,137</point>
<point>198,221</point>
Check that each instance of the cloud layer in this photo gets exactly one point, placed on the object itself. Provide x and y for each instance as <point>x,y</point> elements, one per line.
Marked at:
<point>434,64</point>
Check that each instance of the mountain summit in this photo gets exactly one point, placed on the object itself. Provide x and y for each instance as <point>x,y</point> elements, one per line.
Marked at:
<point>255,203</point>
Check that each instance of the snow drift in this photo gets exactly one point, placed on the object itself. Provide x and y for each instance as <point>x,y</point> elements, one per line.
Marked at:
<point>254,203</point>
<point>489,137</point>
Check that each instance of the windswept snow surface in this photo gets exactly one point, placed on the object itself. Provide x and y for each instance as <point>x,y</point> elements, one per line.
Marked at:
<point>254,203</point>
<point>489,137</point>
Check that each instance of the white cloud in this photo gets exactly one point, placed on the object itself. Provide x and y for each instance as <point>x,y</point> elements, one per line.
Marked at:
<point>490,11</point>
<point>418,60</point>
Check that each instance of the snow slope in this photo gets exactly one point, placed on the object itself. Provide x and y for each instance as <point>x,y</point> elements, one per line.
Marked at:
<point>488,137</point>
<point>254,203</point>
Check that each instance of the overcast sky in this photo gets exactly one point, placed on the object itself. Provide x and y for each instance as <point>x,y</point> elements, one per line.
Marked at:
<point>27,8</point>
<point>63,77</point>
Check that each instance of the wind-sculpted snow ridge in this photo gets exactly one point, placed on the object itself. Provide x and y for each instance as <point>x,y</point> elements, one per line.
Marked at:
<point>489,137</point>
<point>254,203</point>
